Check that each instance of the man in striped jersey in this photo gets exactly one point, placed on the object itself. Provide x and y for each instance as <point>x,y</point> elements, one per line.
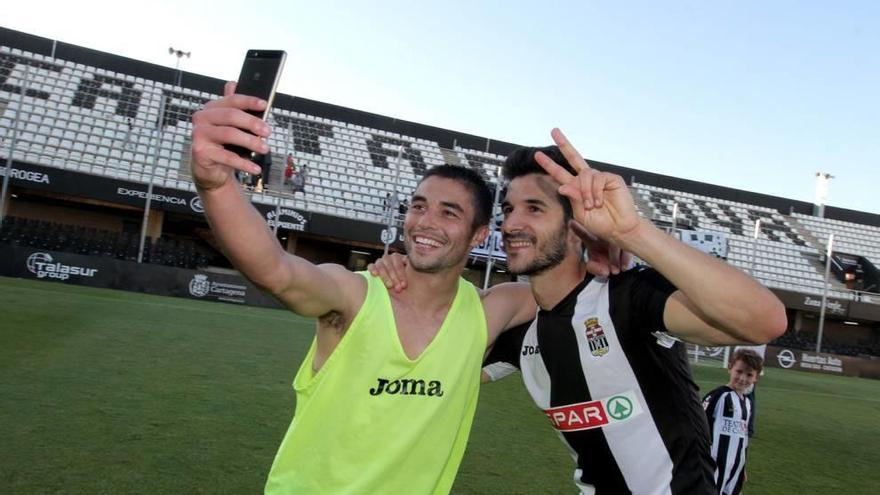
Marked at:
<point>729,411</point>
<point>603,359</point>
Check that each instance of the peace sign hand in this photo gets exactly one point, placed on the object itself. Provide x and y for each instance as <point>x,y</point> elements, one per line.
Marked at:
<point>600,201</point>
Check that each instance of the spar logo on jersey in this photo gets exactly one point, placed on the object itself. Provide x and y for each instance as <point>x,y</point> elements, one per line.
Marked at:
<point>596,337</point>
<point>594,414</point>
<point>619,407</point>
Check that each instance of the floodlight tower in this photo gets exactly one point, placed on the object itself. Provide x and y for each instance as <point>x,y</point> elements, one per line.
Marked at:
<point>822,180</point>
<point>179,54</point>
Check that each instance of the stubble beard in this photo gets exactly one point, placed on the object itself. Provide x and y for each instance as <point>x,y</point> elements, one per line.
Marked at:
<point>546,258</point>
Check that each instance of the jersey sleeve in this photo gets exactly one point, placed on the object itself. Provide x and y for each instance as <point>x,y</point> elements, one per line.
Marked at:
<point>639,297</point>
<point>710,402</point>
<point>503,359</point>
<point>715,403</point>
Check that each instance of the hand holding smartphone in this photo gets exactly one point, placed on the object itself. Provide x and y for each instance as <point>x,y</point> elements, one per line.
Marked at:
<point>259,77</point>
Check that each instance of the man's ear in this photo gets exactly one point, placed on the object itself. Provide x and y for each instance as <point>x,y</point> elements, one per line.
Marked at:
<point>479,235</point>
<point>574,242</point>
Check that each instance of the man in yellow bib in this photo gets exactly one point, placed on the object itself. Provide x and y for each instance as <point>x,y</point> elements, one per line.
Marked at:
<point>387,392</point>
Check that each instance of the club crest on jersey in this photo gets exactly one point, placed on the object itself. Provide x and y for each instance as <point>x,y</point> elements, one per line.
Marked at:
<point>596,337</point>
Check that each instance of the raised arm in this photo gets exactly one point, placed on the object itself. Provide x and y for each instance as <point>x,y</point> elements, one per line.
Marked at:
<point>715,303</point>
<point>246,240</point>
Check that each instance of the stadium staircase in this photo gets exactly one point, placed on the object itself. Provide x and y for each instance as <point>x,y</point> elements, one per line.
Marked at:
<point>644,207</point>
<point>812,240</point>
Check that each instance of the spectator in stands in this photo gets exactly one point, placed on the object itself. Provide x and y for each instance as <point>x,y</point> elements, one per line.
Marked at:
<point>404,206</point>
<point>288,169</point>
<point>299,182</point>
<point>129,127</point>
<point>729,412</point>
<point>390,204</point>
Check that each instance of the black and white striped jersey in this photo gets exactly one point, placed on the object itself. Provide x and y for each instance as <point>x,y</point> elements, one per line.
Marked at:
<point>728,416</point>
<point>615,386</point>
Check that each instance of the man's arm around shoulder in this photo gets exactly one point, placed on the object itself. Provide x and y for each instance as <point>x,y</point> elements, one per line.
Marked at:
<point>507,305</point>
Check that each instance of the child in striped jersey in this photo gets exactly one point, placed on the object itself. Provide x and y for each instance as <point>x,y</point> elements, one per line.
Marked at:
<point>728,411</point>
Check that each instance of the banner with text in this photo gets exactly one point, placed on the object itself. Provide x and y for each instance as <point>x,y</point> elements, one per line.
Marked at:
<point>41,264</point>
<point>821,362</point>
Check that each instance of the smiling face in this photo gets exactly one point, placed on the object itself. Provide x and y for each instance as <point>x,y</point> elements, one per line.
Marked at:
<point>438,228</point>
<point>535,230</point>
<point>742,376</point>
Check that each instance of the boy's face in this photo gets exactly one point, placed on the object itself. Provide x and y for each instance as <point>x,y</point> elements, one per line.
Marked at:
<point>742,376</point>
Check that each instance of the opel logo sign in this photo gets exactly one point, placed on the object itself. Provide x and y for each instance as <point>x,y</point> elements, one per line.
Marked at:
<point>715,351</point>
<point>196,204</point>
<point>786,358</point>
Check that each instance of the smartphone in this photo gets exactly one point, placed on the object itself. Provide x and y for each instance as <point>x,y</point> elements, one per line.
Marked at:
<point>259,77</point>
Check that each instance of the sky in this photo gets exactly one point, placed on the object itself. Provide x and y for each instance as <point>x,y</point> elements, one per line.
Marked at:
<point>753,95</point>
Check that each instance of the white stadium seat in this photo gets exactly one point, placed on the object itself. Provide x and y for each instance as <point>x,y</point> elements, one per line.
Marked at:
<point>352,167</point>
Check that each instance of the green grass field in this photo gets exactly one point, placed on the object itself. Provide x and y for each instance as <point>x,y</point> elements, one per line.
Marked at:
<point>112,392</point>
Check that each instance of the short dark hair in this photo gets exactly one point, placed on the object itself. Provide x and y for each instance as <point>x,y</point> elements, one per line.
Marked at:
<point>749,358</point>
<point>521,161</point>
<point>474,183</point>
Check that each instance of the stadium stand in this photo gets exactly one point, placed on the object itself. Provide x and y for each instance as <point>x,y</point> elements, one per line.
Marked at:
<point>848,237</point>
<point>103,122</point>
<point>781,256</point>
<point>106,117</point>
<point>864,347</point>
<point>41,234</point>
